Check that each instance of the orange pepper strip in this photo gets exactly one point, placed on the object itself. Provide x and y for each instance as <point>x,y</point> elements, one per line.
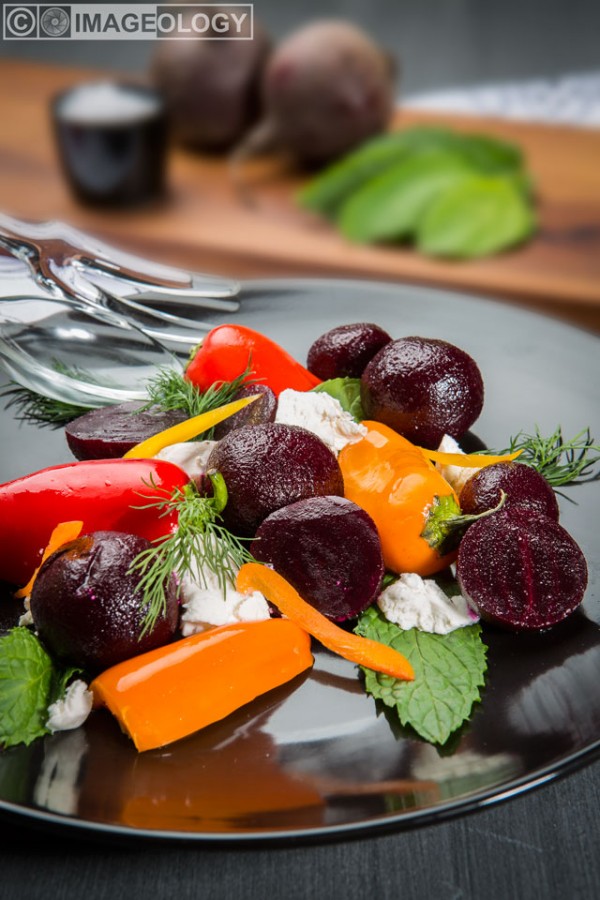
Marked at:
<point>168,693</point>
<point>360,650</point>
<point>467,460</point>
<point>62,534</point>
<point>186,430</point>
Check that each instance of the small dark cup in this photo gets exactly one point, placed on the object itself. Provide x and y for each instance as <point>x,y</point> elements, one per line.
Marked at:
<point>112,143</point>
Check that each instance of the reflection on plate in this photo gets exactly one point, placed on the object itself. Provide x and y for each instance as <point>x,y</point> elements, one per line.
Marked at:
<point>317,757</point>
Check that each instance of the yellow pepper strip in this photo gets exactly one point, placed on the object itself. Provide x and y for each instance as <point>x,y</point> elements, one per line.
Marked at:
<point>62,534</point>
<point>467,460</point>
<point>187,430</point>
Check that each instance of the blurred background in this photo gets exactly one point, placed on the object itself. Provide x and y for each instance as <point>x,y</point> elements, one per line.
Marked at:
<point>441,43</point>
<point>525,76</point>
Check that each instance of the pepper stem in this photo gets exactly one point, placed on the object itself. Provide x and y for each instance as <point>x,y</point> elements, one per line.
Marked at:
<point>445,524</point>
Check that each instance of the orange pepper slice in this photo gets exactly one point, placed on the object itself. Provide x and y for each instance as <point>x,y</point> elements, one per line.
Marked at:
<point>356,649</point>
<point>163,695</point>
<point>62,534</point>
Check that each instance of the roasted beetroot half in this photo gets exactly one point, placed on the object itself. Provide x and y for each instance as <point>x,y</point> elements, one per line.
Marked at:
<point>328,548</point>
<point>344,352</point>
<point>521,570</point>
<point>522,484</point>
<point>269,466</point>
<point>87,607</point>
<point>423,388</point>
<point>256,413</point>
<point>109,432</point>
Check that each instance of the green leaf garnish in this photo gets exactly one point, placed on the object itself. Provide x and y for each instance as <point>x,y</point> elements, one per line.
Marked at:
<point>37,409</point>
<point>477,216</point>
<point>449,671</point>
<point>200,541</point>
<point>347,392</point>
<point>560,460</point>
<point>29,683</point>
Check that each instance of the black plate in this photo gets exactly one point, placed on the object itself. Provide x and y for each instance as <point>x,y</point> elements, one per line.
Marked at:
<point>316,759</point>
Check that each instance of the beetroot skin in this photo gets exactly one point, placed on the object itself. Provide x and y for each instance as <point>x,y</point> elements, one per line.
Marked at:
<point>522,484</point>
<point>109,432</point>
<point>328,549</point>
<point>86,605</point>
<point>343,352</point>
<point>521,570</point>
<point>263,410</point>
<point>269,466</point>
<point>423,388</point>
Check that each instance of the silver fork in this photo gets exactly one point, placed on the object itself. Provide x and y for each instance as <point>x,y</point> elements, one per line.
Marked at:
<point>76,267</point>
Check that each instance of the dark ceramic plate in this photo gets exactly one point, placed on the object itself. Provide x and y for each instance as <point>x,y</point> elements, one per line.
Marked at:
<point>316,758</point>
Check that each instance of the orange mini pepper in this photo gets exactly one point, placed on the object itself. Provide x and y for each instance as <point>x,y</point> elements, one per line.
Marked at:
<point>168,693</point>
<point>405,495</point>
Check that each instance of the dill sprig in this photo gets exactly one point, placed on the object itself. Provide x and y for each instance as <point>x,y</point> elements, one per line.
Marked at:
<point>201,542</point>
<point>47,412</point>
<point>561,461</point>
<point>169,390</point>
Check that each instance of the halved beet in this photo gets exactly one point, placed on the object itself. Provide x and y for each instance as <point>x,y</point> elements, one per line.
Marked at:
<point>521,570</point>
<point>269,466</point>
<point>343,352</point>
<point>256,413</point>
<point>109,432</point>
<point>328,548</point>
<point>522,484</point>
<point>423,388</point>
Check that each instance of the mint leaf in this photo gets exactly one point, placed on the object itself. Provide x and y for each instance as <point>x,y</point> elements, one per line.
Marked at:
<point>449,670</point>
<point>480,216</point>
<point>347,391</point>
<point>391,205</point>
<point>27,683</point>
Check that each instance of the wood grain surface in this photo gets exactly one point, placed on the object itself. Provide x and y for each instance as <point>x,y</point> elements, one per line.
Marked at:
<point>202,224</point>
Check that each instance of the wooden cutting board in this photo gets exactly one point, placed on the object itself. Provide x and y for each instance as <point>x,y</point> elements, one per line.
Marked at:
<point>203,224</point>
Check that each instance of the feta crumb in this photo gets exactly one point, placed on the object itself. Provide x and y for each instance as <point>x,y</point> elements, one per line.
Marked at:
<point>204,605</point>
<point>192,456</point>
<point>456,476</point>
<point>414,602</point>
<point>322,414</point>
<point>72,709</point>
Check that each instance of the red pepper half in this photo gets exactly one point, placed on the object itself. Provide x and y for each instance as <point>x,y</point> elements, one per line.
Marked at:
<point>228,350</point>
<point>101,493</point>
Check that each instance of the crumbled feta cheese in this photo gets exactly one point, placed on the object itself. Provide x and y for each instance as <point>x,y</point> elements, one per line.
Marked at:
<point>456,476</point>
<point>322,414</point>
<point>72,709</point>
<point>414,602</point>
<point>192,456</point>
<point>204,605</point>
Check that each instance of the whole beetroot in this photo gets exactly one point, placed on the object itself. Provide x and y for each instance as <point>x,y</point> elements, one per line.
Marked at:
<point>521,570</point>
<point>212,87</point>
<point>269,466</point>
<point>523,486</point>
<point>87,607</point>
<point>423,388</point>
<point>256,413</point>
<point>343,352</point>
<point>328,548</point>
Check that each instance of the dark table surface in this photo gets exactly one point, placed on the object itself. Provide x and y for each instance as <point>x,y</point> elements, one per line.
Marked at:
<point>543,844</point>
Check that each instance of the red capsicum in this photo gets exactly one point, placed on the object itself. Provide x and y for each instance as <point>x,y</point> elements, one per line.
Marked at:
<point>230,350</point>
<point>103,494</point>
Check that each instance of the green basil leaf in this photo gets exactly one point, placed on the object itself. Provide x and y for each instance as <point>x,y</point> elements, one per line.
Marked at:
<point>391,206</point>
<point>480,216</point>
<point>449,671</point>
<point>327,192</point>
<point>347,391</point>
